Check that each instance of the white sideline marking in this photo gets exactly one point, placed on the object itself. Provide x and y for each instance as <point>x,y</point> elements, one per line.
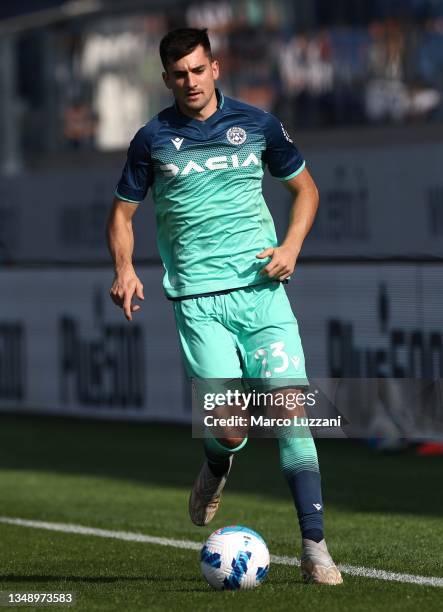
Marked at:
<point>353,570</point>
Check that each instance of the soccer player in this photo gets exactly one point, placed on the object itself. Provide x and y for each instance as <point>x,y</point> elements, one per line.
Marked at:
<point>204,157</point>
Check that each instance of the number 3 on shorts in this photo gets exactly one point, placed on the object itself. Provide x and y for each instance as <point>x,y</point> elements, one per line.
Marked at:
<point>277,352</point>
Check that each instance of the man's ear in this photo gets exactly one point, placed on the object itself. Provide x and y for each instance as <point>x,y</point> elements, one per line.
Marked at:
<point>165,77</point>
<point>215,69</point>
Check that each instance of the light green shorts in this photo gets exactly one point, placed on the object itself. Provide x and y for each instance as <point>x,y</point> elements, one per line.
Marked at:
<point>249,333</point>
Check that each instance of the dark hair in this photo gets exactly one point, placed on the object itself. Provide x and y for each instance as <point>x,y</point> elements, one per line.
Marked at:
<point>178,43</point>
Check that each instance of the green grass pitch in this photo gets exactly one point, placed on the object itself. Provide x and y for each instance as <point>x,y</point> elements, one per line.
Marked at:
<point>382,512</point>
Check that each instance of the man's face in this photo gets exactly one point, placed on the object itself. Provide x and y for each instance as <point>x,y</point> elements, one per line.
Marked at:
<point>192,81</point>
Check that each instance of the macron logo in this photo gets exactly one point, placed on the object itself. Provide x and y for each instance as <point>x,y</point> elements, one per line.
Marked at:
<point>296,362</point>
<point>177,142</point>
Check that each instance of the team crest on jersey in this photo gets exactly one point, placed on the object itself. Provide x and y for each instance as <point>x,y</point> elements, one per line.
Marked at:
<point>236,135</point>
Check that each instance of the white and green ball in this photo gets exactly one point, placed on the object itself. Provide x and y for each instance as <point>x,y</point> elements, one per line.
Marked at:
<point>234,558</point>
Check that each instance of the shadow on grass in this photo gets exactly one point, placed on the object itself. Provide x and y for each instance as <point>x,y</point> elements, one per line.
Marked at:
<point>354,477</point>
<point>95,579</point>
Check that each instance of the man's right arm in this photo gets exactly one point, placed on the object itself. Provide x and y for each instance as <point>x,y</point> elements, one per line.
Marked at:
<point>121,246</point>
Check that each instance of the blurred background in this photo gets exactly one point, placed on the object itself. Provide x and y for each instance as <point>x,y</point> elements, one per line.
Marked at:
<point>359,86</point>
<point>95,412</point>
<point>84,74</point>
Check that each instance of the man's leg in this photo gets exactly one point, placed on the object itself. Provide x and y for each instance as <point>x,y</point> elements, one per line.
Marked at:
<point>219,452</point>
<point>272,352</point>
<point>206,492</point>
<point>210,354</point>
<point>299,464</point>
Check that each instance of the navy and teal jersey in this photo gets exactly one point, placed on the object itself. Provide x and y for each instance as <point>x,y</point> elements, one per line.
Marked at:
<point>206,181</point>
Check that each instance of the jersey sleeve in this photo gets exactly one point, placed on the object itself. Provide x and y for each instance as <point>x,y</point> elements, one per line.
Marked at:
<point>281,155</point>
<point>137,175</point>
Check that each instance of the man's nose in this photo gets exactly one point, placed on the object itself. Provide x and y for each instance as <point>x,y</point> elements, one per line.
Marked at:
<point>191,80</point>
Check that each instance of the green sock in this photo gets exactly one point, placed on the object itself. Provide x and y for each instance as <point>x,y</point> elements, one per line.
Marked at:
<point>218,455</point>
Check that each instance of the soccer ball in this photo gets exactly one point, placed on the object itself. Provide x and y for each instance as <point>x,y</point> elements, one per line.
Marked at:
<point>234,558</point>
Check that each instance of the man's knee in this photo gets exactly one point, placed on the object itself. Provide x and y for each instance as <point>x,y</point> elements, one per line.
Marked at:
<point>291,402</point>
<point>233,442</point>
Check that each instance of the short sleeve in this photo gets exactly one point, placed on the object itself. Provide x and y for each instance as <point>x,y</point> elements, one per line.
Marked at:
<point>137,175</point>
<point>281,155</point>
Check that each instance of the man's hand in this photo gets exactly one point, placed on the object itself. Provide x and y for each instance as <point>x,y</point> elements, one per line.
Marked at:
<point>282,264</point>
<point>301,217</point>
<point>126,284</point>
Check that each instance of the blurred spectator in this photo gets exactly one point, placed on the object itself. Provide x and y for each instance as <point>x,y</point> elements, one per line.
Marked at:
<point>79,125</point>
<point>313,63</point>
<point>395,89</point>
<point>307,75</point>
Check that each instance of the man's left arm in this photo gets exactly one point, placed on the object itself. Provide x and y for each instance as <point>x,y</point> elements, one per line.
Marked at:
<point>301,217</point>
